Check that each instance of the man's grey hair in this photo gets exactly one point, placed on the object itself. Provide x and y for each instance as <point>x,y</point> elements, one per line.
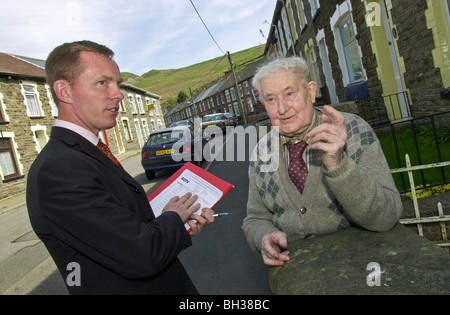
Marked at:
<point>293,64</point>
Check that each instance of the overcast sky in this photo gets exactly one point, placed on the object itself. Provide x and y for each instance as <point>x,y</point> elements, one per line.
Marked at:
<point>144,34</point>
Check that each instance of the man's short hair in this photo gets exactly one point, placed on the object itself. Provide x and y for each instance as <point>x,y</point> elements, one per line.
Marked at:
<point>63,62</point>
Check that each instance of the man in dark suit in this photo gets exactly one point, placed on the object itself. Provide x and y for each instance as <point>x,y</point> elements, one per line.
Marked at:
<point>92,216</point>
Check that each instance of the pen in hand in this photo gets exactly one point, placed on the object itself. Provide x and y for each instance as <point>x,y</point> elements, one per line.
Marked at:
<point>221,214</point>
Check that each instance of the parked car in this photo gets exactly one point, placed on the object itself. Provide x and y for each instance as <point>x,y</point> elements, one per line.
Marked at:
<point>170,147</point>
<point>182,123</point>
<point>231,120</point>
<point>214,120</point>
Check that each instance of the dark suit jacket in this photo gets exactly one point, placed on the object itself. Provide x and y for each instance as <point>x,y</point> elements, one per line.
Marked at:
<point>89,211</point>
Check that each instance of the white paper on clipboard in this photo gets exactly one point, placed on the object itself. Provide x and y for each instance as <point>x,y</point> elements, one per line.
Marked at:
<point>208,194</point>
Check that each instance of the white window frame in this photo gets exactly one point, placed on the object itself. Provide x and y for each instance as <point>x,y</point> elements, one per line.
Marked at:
<point>156,106</point>
<point>340,17</point>
<point>127,129</point>
<point>146,128</point>
<point>140,105</point>
<point>227,95</point>
<point>132,103</point>
<point>33,110</point>
<point>233,94</point>
<point>152,122</point>
<point>14,158</point>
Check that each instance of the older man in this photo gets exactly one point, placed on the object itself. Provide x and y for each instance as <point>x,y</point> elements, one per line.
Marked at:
<point>331,171</point>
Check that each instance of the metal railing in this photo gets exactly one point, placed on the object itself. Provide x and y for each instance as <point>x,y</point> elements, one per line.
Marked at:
<point>385,109</point>
<point>424,127</point>
<point>418,220</point>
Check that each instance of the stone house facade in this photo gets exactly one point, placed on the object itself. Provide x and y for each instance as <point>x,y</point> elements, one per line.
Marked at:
<point>393,54</point>
<point>28,112</point>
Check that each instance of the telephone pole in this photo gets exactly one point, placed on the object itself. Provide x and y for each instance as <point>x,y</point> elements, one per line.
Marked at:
<point>241,106</point>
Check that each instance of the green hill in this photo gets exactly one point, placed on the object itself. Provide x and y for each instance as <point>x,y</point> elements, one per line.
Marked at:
<point>168,83</point>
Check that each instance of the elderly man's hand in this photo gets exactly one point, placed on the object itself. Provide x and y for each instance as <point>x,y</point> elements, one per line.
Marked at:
<point>271,249</point>
<point>330,138</point>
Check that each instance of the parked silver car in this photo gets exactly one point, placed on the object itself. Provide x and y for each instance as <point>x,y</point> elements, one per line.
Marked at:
<point>214,120</point>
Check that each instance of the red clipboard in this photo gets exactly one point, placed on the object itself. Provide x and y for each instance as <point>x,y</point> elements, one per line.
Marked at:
<point>219,183</point>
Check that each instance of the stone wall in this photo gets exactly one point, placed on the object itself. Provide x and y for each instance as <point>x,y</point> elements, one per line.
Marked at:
<point>415,44</point>
<point>20,124</point>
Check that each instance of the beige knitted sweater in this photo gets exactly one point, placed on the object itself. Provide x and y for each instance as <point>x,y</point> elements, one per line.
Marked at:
<point>361,191</point>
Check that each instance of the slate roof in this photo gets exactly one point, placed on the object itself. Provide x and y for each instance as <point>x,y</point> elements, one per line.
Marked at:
<point>21,66</point>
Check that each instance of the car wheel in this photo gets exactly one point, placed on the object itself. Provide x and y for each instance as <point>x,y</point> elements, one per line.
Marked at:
<point>150,174</point>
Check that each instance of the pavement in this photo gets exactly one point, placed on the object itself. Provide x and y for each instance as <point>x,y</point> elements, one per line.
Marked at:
<point>12,203</point>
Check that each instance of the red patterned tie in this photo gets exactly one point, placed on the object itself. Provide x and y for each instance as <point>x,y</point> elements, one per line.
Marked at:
<point>108,152</point>
<point>298,171</point>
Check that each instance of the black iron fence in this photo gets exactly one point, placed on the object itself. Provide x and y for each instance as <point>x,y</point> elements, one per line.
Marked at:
<point>424,141</point>
<point>385,109</point>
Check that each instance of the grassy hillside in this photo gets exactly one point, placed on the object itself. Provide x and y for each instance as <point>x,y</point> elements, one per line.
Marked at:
<point>168,83</point>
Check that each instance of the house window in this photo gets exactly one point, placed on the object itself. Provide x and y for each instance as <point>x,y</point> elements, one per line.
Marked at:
<point>132,104</point>
<point>122,107</point>
<point>156,106</point>
<point>227,95</point>
<point>32,101</point>
<point>145,126</point>
<point>233,94</point>
<point>236,109</point>
<point>127,130</point>
<point>140,105</point>
<point>8,164</point>
<point>153,124</point>
<point>351,50</point>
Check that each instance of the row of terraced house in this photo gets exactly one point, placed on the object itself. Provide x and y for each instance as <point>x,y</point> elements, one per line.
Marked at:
<point>28,112</point>
<point>390,57</point>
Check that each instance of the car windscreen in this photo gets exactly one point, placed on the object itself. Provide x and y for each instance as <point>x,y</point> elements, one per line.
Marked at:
<point>212,118</point>
<point>167,137</point>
